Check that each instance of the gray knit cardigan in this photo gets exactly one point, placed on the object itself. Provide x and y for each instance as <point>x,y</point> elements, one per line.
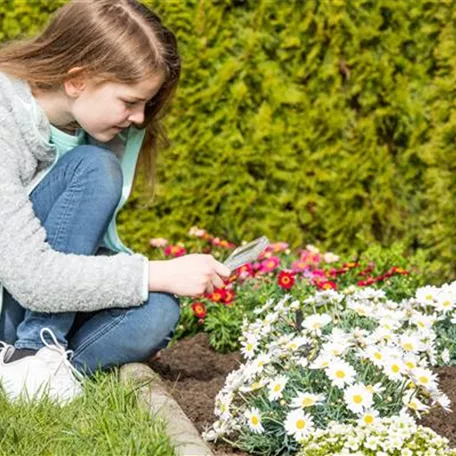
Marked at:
<point>38,277</point>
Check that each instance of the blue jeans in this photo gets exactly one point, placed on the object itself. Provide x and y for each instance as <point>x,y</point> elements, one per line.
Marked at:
<point>75,203</point>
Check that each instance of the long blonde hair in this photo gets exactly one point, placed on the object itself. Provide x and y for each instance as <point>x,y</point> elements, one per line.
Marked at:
<point>110,40</point>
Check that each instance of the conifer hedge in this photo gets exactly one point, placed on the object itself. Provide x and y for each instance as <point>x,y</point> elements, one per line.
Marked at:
<point>311,121</point>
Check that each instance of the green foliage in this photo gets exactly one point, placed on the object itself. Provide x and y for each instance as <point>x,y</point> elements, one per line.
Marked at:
<point>328,122</point>
<point>19,18</point>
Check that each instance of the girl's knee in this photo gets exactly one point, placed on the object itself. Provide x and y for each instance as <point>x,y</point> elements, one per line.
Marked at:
<point>97,160</point>
<point>158,320</point>
<point>164,308</point>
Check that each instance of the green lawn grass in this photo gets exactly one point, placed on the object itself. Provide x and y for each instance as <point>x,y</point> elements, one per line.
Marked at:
<point>107,420</point>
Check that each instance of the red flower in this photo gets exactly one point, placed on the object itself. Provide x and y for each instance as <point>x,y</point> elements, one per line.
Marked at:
<point>368,281</point>
<point>326,285</point>
<point>175,250</point>
<point>218,295</point>
<point>350,265</point>
<point>398,270</point>
<point>245,271</point>
<point>286,279</point>
<point>229,297</point>
<point>199,309</point>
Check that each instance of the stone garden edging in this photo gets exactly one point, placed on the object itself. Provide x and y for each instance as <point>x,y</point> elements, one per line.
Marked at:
<point>155,396</point>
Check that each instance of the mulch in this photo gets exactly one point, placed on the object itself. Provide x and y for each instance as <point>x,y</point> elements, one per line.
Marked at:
<point>195,373</point>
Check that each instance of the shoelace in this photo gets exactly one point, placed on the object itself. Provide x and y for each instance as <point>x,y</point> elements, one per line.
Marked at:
<point>67,355</point>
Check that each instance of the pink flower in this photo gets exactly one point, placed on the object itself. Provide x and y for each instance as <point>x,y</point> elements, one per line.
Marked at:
<point>299,266</point>
<point>277,247</point>
<point>318,274</point>
<point>269,264</point>
<point>198,232</point>
<point>311,258</point>
<point>158,242</point>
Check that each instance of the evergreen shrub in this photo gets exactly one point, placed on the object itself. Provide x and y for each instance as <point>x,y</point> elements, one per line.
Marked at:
<point>324,122</point>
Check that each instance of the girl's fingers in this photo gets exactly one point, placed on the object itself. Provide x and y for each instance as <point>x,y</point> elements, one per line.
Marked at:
<point>216,281</point>
<point>222,270</point>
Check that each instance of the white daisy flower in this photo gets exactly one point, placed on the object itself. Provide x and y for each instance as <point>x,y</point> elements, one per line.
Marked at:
<point>445,355</point>
<point>425,378</point>
<point>368,417</point>
<point>315,322</point>
<point>393,368</point>
<point>423,321</point>
<point>302,362</point>
<point>249,346</point>
<point>303,400</point>
<point>375,354</point>
<point>411,343</point>
<point>445,301</point>
<point>254,420</point>
<point>427,295</point>
<point>276,386</point>
<point>297,342</point>
<point>358,398</point>
<point>334,349</point>
<point>253,386</point>
<point>322,361</point>
<point>299,424</point>
<point>443,400</point>
<point>330,257</point>
<point>412,402</point>
<point>411,362</point>
<point>257,365</point>
<point>341,373</point>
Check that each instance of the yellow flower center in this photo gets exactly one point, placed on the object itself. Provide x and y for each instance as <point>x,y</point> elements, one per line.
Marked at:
<point>300,424</point>
<point>277,388</point>
<point>424,380</point>
<point>410,364</point>
<point>369,419</point>
<point>357,399</point>
<point>378,355</point>
<point>408,346</point>
<point>255,420</point>
<point>307,402</point>
<point>249,347</point>
<point>316,325</point>
<point>340,374</point>
<point>446,303</point>
<point>429,297</point>
<point>395,368</point>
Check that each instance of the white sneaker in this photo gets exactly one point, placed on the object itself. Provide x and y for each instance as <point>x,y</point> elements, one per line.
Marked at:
<point>47,373</point>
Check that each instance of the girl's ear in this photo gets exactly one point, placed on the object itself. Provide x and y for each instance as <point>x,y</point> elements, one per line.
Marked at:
<point>75,83</point>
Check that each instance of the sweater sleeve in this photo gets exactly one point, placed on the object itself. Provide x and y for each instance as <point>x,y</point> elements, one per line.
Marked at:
<point>44,280</point>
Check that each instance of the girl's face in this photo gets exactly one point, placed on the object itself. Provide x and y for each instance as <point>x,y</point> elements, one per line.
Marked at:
<point>105,109</point>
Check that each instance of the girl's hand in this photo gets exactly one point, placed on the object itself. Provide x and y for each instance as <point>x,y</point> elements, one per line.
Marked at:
<point>189,275</point>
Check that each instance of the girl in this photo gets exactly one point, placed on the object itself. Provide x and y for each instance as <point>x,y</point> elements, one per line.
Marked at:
<point>78,104</point>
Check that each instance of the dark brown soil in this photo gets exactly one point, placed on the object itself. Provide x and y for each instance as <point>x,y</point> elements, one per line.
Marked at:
<point>440,421</point>
<point>195,373</point>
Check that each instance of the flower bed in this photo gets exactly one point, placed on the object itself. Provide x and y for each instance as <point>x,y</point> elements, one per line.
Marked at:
<point>338,354</point>
<point>195,373</point>
<point>280,271</point>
